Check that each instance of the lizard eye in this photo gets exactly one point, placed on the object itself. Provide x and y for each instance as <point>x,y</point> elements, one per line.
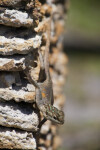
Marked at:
<point>55,118</point>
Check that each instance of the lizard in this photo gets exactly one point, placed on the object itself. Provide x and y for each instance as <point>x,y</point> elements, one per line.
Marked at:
<point>44,90</point>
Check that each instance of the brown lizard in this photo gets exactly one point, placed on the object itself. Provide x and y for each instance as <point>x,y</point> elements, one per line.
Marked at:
<point>44,91</point>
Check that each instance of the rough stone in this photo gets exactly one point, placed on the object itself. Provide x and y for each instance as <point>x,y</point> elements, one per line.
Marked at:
<point>46,9</point>
<point>13,80</point>
<point>12,64</point>
<point>17,94</point>
<point>16,139</point>
<point>13,3</point>
<point>46,127</point>
<point>42,26</point>
<point>18,45</point>
<point>15,18</point>
<point>18,31</point>
<point>58,58</point>
<point>18,62</point>
<point>20,116</point>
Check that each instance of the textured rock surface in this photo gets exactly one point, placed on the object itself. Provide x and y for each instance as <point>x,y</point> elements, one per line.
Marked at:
<point>23,25</point>
<point>42,26</point>
<point>12,3</point>
<point>12,64</point>
<point>16,139</point>
<point>16,62</point>
<point>18,95</point>
<point>15,18</point>
<point>19,116</point>
<point>18,45</point>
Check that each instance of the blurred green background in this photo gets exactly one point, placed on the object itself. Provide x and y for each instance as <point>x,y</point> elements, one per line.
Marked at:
<point>81,130</point>
<point>84,15</point>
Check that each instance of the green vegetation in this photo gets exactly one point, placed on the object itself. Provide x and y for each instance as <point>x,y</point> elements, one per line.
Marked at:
<point>84,15</point>
<point>82,67</point>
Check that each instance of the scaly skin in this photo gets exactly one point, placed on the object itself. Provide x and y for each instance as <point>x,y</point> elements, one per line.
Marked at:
<point>53,114</point>
<point>44,91</point>
<point>44,100</point>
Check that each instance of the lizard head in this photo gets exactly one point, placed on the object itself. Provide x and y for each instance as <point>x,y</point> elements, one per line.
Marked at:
<point>53,114</point>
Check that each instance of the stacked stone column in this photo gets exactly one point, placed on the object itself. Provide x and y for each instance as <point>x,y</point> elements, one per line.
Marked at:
<point>22,34</point>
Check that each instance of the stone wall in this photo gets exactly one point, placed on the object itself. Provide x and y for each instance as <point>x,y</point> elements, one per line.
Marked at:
<point>22,33</point>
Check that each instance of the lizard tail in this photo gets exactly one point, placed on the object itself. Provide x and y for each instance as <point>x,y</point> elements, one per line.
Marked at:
<point>46,58</point>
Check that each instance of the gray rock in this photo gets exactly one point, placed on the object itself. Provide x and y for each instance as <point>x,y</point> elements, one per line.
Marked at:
<point>18,45</point>
<point>12,64</point>
<point>17,115</point>
<point>17,94</point>
<point>13,3</point>
<point>16,139</point>
<point>17,62</point>
<point>15,18</point>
